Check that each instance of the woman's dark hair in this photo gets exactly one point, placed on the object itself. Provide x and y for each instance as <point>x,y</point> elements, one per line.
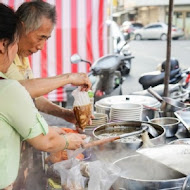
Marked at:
<point>10,25</point>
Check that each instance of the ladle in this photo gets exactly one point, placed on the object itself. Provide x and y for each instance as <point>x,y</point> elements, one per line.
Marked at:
<point>111,139</point>
<point>151,129</point>
<point>174,105</point>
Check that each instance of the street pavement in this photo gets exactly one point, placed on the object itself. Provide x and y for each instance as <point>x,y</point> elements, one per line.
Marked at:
<point>148,54</point>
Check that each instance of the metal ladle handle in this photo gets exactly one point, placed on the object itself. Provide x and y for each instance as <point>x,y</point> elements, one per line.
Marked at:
<point>155,94</point>
<point>142,130</point>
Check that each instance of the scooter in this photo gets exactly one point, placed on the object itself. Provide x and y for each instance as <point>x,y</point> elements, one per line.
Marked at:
<point>123,49</point>
<point>179,83</point>
<point>155,78</point>
<point>105,74</point>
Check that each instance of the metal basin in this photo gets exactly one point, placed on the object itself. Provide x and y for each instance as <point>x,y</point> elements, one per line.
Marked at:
<point>142,173</point>
<point>169,123</point>
<point>128,127</point>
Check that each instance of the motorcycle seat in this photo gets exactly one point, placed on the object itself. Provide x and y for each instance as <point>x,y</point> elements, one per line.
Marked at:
<point>107,63</point>
<point>152,79</point>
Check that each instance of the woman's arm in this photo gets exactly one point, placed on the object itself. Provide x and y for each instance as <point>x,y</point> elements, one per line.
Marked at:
<point>41,86</point>
<point>53,142</point>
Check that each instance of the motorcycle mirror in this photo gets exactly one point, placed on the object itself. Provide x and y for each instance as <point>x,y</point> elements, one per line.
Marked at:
<point>75,58</point>
<point>118,39</point>
<point>132,37</point>
<point>126,36</point>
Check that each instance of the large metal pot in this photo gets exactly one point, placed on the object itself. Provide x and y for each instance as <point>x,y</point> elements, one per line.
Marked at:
<point>142,173</point>
<point>150,105</point>
<point>169,123</point>
<point>127,127</point>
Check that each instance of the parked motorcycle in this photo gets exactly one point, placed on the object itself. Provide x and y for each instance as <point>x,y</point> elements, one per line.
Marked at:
<point>120,45</point>
<point>105,73</point>
<point>179,83</point>
<point>123,49</point>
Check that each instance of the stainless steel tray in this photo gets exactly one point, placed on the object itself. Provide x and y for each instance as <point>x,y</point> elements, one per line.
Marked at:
<point>184,117</point>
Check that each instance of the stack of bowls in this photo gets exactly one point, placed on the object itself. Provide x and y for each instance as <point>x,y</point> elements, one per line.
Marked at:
<point>99,119</point>
<point>126,112</point>
<point>104,105</point>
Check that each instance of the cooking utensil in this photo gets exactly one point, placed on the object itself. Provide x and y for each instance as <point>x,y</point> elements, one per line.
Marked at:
<point>110,139</point>
<point>181,141</point>
<point>141,172</point>
<point>169,123</point>
<point>173,104</point>
<point>186,184</point>
<point>107,140</point>
<point>175,156</point>
<point>104,105</point>
<point>151,129</point>
<point>183,116</point>
<point>127,127</point>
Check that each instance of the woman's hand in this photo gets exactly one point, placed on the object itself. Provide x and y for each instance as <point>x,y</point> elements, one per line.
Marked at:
<point>59,130</point>
<point>75,140</point>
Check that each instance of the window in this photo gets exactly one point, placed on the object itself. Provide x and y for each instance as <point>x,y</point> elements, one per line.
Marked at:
<point>154,26</point>
<point>188,15</point>
<point>179,14</point>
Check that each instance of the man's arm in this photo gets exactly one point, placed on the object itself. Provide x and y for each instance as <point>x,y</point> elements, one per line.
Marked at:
<point>41,86</point>
<point>46,106</point>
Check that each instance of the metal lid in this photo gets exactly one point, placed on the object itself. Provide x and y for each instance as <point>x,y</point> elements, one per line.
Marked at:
<point>143,100</point>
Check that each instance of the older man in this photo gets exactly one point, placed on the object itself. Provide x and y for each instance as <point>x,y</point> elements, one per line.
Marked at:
<point>38,20</point>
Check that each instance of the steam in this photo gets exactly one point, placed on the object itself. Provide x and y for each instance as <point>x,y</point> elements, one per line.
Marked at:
<point>146,140</point>
<point>140,167</point>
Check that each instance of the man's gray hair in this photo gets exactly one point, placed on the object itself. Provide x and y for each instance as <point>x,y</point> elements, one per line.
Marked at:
<point>31,14</point>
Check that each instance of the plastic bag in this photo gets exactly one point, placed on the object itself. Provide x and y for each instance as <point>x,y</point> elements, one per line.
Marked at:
<point>96,175</point>
<point>71,177</point>
<point>82,107</point>
<point>102,175</point>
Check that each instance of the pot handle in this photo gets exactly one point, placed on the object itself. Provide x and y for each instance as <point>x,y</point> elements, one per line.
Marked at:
<point>186,183</point>
<point>155,94</point>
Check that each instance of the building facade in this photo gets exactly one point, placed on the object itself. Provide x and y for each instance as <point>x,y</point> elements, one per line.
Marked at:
<point>149,11</point>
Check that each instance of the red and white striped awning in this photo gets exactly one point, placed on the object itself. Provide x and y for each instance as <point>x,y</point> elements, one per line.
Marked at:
<point>80,29</point>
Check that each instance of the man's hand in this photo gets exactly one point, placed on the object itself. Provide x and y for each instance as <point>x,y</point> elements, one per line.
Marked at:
<point>69,116</point>
<point>80,79</point>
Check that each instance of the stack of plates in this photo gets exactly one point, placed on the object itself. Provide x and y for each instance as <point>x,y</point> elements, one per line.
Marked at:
<point>100,119</point>
<point>126,111</point>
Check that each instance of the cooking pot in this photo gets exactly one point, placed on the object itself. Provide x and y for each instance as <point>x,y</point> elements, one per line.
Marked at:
<point>169,123</point>
<point>150,105</point>
<point>142,173</point>
<point>128,127</point>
